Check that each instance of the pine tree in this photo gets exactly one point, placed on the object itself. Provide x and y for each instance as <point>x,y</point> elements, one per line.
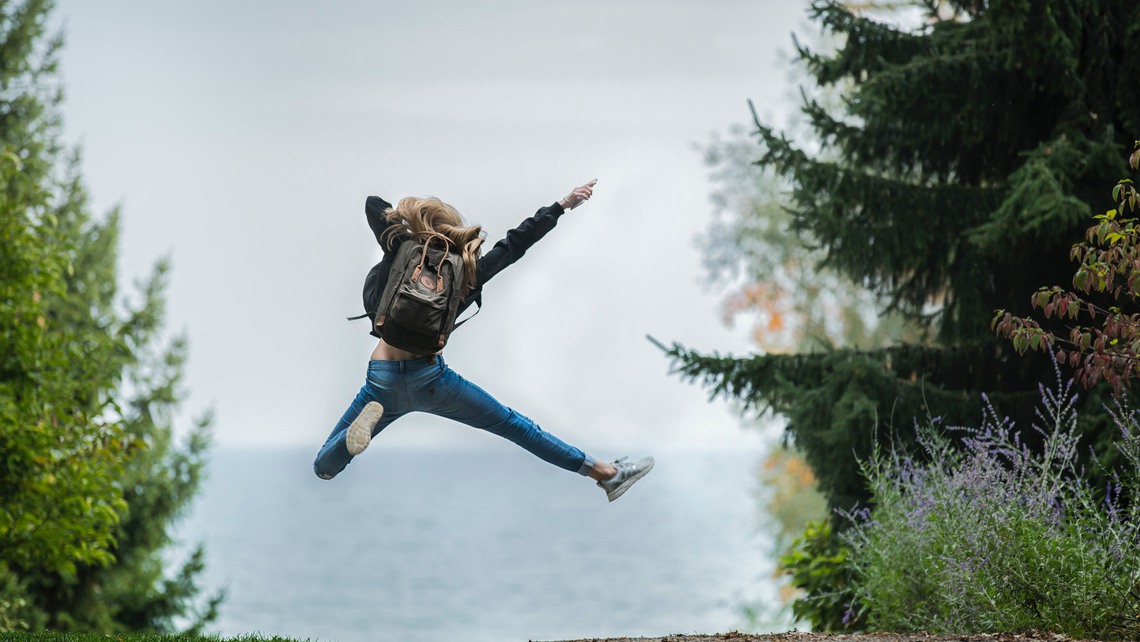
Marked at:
<point>90,481</point>
<point>773,275</point>
<point>969,154</point>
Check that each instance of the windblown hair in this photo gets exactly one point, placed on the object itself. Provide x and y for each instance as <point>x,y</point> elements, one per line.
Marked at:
<point>423,217</point>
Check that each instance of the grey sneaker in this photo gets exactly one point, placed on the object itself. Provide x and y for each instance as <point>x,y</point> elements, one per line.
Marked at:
<point>628,472</point>
<point>359,432</point>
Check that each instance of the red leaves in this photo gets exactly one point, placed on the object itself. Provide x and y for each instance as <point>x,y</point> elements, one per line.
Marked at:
<point>1102,344</point>
<point>1026,334</point>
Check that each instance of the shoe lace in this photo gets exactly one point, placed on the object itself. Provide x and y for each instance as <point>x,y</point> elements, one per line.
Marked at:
<point>622,467</point>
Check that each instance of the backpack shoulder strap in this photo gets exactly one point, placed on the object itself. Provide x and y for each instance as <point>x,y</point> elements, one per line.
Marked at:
<point>478,308</point>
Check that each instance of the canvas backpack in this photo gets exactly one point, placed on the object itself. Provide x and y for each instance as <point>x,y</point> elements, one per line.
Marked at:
<point>416,310</point>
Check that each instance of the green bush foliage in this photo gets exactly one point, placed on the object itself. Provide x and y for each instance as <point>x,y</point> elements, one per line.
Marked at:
<point>1001,537</point>
<point>819,564</point>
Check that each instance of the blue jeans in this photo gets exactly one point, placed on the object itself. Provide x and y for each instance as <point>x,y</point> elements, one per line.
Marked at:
<point>428,385</point>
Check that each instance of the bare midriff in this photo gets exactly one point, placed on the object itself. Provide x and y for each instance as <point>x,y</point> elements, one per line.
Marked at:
<point>386,352</point>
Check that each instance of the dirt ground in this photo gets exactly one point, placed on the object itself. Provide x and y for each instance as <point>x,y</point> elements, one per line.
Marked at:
<point>798,636</point>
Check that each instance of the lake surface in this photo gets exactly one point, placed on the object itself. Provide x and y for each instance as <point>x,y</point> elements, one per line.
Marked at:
<point>479,545</point>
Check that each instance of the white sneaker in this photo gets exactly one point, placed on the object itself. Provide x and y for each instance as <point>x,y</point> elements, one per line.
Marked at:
<point>359,432</point>
<point>627,473</point>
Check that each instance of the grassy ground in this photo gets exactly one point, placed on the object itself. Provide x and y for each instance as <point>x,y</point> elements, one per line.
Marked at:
<point>791,636</point>
<point>130,637</point>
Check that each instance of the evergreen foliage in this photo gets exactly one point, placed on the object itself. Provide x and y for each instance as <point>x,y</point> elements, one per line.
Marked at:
<point>90,481</point>
<point>969,151</point>
<point>792,302</point>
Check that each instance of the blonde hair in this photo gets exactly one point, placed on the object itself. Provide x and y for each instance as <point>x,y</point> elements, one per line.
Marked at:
<point>426,216</point>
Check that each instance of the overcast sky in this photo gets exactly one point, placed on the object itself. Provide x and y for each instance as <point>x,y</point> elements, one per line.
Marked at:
<point>241,139</point>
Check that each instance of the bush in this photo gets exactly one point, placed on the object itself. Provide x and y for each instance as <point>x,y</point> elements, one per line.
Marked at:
<point>999,536</point>
<point>13,602</point>
<point>819,565</point>
<point>1096,326</point>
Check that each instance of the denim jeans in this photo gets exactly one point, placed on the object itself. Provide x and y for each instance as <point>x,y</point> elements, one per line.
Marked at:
<point>428,385</point>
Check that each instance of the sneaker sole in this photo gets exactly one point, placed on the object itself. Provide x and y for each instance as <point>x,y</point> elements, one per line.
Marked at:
<point>359,433</point>
<point>620,490</point>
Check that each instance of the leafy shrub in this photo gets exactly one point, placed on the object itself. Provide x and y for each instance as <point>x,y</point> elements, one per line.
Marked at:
<point>999,536</point>
<point>13,602</point>
<point>819,565</point>
<point>1096,326</point>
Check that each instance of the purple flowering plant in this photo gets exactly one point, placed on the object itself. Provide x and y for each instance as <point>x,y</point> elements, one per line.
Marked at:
<point>989,534</point>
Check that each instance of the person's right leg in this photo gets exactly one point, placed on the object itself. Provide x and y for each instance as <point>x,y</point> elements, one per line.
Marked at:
<point>375,407</point>
<point>359,433</point>
<point>334,455</point>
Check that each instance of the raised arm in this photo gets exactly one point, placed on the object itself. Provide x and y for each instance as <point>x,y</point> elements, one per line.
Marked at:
<point>517,241</point>
<point>376,208</point>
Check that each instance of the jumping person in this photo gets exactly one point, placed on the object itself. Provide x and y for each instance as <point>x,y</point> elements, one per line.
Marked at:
<point>399,382</point>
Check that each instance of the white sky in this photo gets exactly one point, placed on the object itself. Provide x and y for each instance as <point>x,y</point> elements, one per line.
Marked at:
<point>242,137</point>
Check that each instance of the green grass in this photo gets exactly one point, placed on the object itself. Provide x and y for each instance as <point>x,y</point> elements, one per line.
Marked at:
<point>132,637</point>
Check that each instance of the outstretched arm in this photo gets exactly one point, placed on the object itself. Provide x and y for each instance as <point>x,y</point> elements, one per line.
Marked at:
<point>519,240</point>
<point>578,195</point>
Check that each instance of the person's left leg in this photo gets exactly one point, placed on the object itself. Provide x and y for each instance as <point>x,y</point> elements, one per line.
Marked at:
<point>469,404</point>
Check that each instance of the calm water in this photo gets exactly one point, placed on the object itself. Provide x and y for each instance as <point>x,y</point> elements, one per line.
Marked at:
<point>484,545</point>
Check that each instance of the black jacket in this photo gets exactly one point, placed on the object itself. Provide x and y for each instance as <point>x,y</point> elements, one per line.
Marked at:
<point>505,252</point>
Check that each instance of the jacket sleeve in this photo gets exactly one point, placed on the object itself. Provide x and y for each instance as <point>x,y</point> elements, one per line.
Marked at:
<point>516,243</point>
<point>375,208</point>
